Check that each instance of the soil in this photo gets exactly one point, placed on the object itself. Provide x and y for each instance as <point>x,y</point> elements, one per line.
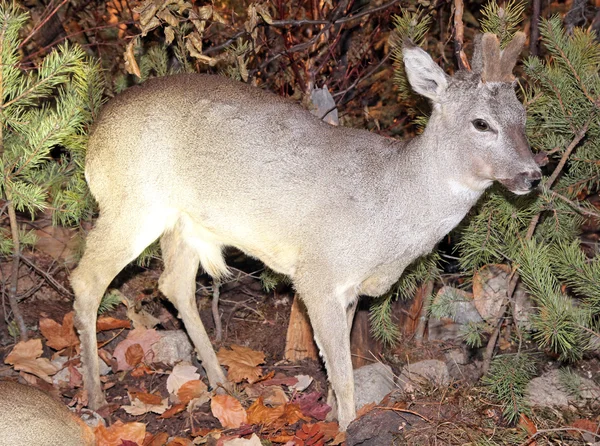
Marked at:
<point>457,414</point>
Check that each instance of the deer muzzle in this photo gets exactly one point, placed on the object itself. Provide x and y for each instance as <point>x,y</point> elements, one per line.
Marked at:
<point>523,182</point>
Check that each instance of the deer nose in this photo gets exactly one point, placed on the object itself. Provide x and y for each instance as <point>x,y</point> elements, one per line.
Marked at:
<point>532,178</point>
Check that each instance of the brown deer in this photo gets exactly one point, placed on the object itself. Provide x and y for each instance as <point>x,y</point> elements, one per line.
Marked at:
<point>204,162</point>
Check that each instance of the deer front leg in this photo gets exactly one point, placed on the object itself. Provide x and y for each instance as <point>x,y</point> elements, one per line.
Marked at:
<point>329,321</point>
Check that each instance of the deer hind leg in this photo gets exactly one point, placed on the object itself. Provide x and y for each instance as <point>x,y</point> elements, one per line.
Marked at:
<point>329,320</point>
<point>115,241</point>
<point>182,254</point>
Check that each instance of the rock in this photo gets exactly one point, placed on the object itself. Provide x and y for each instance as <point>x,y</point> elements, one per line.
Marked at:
<point>174,346</point>
<point>463,311</point>
<point>415,375</point>
<point>548,391</point>
<point>490,284</point>
<point>372,383</point>
<point>376,428</point>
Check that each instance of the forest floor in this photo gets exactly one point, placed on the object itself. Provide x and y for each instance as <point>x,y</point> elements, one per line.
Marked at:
<point>144,408</point>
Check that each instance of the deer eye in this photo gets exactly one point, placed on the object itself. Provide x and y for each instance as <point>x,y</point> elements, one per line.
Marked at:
<point>481,125</point>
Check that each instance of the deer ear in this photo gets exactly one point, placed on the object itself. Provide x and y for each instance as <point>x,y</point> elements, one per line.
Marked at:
<point>425,76</point>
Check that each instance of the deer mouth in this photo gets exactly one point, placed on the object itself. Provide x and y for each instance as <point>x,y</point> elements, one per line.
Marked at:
<point>520,185</point>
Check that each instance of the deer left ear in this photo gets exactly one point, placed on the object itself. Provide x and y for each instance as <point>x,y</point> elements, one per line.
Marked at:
<point>425,76</point>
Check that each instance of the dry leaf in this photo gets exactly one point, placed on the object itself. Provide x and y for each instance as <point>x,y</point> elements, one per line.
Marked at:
<point>138,407</point>
<point>110,323</point>
<point>181,374</point>
<point>131,65</point>
<point>146,398</point>
<point>190,390</point>
<point>177,408</point>
<point>252,441</point>
<point>303,382</point>
<point>146,338</point>
<point>134,354</point>
<point>119,432</point>
<point>157,440</point>
<point>228,411</point>
<point>25,357</point>
<point>242,363</point>
<point>178,441</point>
<point>258,413</point>
<point>59,336</point>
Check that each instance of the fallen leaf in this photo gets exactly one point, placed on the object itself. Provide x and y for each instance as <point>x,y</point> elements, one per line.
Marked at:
<point>527,424</point>
<point>141,370</point>
<point>138,407</point>
<point>25,357</point>
<point>190,390</point>
<point>365,409</point>
<point>272,395</point>
<point>146,338</point>
<point>242,362</point>
<point>134,354</point>
<point>252,441</point>
<point>292,414</point>
<point>119,432</point>
<point>146,398</point>
<point>181,374</point>
<point>177,408</point>
<point>228,411</point>
<point>309,405</point>
<point>178,441</point>
<point>157,440</point>
<point>59,336</point>
<point>258,413</point>
<point>106,323</point>
<point>303,382</point>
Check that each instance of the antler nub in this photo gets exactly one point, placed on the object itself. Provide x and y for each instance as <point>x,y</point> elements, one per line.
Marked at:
<point>498,65</point>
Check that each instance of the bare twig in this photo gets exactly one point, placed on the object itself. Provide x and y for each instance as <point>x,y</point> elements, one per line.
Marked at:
<point>14,278</point>
<point>48,277</point>
<point>534,34</point>
<point>459,36</point>
<point>39,26</point>
<point>215,310</point>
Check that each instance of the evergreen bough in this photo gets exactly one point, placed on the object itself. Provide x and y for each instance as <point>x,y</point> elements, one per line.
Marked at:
<point>44,112</point>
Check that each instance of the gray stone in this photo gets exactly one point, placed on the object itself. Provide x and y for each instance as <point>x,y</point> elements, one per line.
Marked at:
<point>174,346</point>
<point>548,391</point>
<point>430,371</point>
<point>372,383</point>
<point>463,311</point>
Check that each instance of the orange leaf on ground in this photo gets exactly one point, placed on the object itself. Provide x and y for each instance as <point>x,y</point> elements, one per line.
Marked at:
<point>190,390</point>
<point>242,363</point>
<point>134,354</point>
<point>177,408</point>
<point>228,411</point>
<point>526,423</point>
<point>25,356</point>
<point>138,407</point>
<point>146,338</point>
<point>59,336</point>
<point>118,432</point>
<point>365,409</point>
<point>146,398</point>
<point>178,441</point>
<point>110,323</point>
<point>157,440</point>
<point>181,374</point>
<point>258,413</point>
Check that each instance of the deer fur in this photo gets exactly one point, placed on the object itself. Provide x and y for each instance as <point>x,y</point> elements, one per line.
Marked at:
<point>29,416</point>
<point>204,162</point>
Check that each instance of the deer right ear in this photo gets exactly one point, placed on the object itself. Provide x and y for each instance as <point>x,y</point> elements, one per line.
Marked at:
<point>425,76</point>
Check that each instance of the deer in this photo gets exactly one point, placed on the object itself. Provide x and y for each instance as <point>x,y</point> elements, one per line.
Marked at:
<point>30,416</point>
<point>203,162</point>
